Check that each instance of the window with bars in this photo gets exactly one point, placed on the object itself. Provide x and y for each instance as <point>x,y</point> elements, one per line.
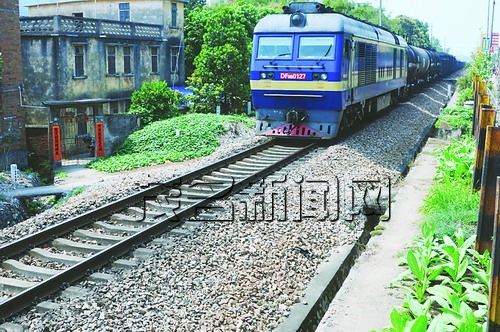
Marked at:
<point>124,12</point>
<point>154,59</point>
<point>174,14</point>
<point>79,61</point>
<point>127,60</point>
<point>174,59</point>
<point>111,54</point>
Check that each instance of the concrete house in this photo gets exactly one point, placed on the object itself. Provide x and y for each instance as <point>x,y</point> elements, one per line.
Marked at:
<point>83,59</point>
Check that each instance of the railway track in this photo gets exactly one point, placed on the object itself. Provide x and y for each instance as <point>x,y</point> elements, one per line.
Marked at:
<point>83,244</point>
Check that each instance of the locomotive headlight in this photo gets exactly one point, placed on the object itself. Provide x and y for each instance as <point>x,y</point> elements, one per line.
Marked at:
<point>320,76</point>
<point>298,20</point>
<point>266,75</point>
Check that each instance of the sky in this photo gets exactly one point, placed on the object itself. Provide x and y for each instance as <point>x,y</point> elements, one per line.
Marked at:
<point>457,24</point>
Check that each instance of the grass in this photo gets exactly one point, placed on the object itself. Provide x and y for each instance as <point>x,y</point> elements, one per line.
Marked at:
<point>451,205</point>
<point>177,139</point>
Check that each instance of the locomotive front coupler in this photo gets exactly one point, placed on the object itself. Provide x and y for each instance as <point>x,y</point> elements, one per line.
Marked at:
<point>295,116</point>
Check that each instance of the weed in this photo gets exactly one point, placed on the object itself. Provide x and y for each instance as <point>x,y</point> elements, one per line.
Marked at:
<point>62,174</point>
<point>73,192</point>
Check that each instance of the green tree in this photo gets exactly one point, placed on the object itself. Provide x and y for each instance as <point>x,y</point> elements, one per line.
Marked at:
<point>191,4</point>
<point>155,101</point>
<point>482,65</point>
<point>224,61</point>
<point>197,21</point>
<point>365,12</point>
<point>213,75</point>
<point>340,6</point>
<point>415,32</point>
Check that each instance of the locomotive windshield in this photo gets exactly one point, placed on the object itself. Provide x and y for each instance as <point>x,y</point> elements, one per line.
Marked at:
<point>271,47</point>
<point>316,47</point>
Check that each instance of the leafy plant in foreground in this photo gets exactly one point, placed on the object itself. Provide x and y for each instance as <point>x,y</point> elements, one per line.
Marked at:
<point>456,161</point>
<point>453,300</point>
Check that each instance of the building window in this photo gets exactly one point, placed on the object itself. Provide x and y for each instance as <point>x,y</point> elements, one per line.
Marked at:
<point>114,107</point>
<point>154,59</point>
<point>124,12</point>
<point>111,53</point>
<point>174,59</point>
<point>174,14</point>
<point>127,60</point>
<point>79,61</point>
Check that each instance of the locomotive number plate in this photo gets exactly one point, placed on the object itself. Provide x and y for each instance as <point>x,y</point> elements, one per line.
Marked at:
<point>293,76</point>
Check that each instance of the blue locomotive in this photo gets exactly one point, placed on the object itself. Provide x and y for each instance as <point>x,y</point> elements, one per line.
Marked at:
<point>314,72</point>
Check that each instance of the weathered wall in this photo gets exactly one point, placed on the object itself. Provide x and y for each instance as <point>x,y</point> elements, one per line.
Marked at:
<point>49,67</point>
<point>116,128</point>
<point>145,11</point>
<point>12,122</point>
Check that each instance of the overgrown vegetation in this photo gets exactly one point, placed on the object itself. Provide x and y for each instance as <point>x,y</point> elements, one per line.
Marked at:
<point>447,281</point>
<point>181,138</point>
<point>481,65</point>
<point>459,117</point>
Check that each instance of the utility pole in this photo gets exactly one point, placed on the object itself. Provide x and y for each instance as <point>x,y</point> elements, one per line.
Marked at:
<point>488,20</point>
<point>492,20</point>
<point>380,13</point>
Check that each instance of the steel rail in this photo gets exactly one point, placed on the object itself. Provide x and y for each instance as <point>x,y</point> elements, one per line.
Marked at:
<point>26,298</point>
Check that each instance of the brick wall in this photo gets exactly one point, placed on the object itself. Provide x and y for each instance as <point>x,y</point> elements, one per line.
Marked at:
<point>12,118</point>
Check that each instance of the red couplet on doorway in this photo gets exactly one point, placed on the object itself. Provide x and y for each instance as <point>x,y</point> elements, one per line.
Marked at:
<point>99,139</point>
<point>56,143</point>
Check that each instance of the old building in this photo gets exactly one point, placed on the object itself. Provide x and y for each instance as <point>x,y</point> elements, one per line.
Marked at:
<point>83,59</point>
<point>12,115</point>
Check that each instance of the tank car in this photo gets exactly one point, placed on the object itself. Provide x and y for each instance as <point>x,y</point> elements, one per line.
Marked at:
<point>314,71</point>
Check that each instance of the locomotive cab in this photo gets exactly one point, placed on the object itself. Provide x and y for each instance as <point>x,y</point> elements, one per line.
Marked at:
<point>295,72</point>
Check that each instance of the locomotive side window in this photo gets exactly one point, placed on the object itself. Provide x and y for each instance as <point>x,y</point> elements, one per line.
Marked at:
<point>271,47</point>
<point>316,47</point>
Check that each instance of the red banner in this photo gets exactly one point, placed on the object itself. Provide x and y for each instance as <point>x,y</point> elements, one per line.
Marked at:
<point>99,139</point>
<point>56,143</point>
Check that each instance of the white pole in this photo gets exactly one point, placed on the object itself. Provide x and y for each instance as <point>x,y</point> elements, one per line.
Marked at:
<point>380,13</point>
<point>13,172</point>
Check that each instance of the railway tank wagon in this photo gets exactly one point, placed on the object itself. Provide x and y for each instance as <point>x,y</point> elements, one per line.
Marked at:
<point>314,71</point>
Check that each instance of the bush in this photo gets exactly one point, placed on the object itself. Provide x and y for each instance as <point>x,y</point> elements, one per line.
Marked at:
<point>155,101</point>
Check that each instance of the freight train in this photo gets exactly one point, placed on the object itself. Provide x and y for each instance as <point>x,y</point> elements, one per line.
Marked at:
<point>315,72</point>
